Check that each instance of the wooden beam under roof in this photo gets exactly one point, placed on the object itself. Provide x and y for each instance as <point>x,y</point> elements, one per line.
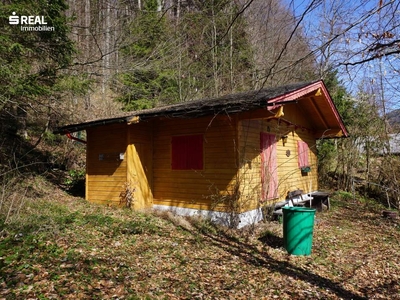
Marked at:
<point>329,133</point>
<point>319,114</point>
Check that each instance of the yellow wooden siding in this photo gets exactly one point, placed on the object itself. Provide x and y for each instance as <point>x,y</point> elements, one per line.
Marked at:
<point>195,188</point>
<point>289,175</point>
<point>139,163</point>
<point>106,171</point>
<point>232,162</point>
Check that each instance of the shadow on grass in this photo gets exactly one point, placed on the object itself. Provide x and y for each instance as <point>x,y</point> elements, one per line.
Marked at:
<point>390,288</point>
<point>257,258</point>
<point>271,240</point>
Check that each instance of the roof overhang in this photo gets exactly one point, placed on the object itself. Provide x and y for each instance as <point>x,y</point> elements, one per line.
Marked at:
<point>315,101</point>
<point>314,97</point>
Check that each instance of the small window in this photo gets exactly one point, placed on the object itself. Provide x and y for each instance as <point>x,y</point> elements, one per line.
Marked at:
<point>303,150</point>
<point>187,152</point>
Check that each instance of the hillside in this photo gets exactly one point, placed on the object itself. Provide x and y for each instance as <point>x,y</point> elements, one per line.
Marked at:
<point>62,247</point>
<point>394,118</point>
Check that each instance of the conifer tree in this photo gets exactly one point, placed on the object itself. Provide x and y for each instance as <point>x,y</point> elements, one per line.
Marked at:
<point>31,67</point>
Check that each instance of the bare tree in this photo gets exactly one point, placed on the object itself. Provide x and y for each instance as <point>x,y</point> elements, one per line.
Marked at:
<point>290,42</point>
<point>354,37</point>
<point>281,52</point>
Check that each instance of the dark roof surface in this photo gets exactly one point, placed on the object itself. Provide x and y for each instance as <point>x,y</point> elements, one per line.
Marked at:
<point>232,103</point>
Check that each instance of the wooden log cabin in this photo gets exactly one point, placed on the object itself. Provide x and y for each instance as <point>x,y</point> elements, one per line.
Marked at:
<point>224,157</point>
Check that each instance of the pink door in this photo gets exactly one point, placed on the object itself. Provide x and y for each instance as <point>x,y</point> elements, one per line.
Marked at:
<point>269,173</point>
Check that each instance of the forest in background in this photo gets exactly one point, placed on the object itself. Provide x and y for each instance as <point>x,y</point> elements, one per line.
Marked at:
<point>149,53</point>
<point>106,56</point>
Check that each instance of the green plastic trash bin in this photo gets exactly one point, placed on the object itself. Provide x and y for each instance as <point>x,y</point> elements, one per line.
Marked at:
<point>298,225</point>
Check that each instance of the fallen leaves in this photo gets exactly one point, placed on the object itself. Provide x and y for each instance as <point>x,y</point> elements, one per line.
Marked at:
<point>112,254</point>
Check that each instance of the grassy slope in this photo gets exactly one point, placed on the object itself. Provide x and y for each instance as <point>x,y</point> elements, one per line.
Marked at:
<point>64,248</point>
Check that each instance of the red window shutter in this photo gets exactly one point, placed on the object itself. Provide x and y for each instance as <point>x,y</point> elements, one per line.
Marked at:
<point>195,149</point>
<point>179,153</point>
<point>302,149</point>
<point>187,152</point>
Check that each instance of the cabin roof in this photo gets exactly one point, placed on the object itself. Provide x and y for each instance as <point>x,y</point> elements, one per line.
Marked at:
<point>269,98</point>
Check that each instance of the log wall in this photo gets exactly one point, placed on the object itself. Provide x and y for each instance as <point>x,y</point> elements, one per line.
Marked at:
<point>290,176</point>
<point>197,189</point>
<point>105,163</point>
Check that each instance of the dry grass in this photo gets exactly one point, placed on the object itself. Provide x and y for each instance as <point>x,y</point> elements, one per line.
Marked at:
<point>61,247</point>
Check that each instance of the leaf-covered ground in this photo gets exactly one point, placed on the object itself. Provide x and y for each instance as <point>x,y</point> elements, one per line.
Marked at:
<point>66,248</point>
